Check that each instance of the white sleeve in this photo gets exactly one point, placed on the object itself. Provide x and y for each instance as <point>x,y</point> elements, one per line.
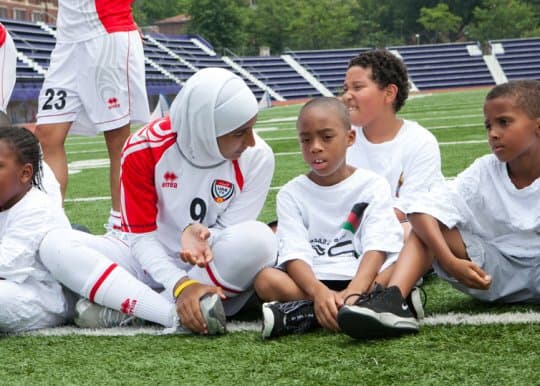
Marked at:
<point>379,229</point>
<point>292,233</point>
<point>20,242</point>
<point>449,201</point>
<point>153,258</point>
<point>421,171</point>
<point>247,205</point>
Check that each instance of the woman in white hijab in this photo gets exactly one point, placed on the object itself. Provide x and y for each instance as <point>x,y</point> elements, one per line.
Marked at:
<point>192,186</point>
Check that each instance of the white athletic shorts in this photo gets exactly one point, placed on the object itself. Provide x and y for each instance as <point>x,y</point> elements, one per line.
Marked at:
<point>98,84</point>
<point>8,69</point>
<point>31,305</point>
<point>514,279</point>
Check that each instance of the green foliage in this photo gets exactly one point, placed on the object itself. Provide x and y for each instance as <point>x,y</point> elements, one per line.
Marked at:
<point>222,22</point>
<point>312,24</point>
<point>440,21</point>
<point>322,23</point>
<point>503,19</point>
<point>147,12</point>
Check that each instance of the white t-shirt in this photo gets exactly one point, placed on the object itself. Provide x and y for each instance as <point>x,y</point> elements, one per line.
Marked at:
<point>22,227</point>
<point>311,216</point>
<point>410,162</point>
<point>80,20</point>
<point>162,193</point>
<point>484,201</point>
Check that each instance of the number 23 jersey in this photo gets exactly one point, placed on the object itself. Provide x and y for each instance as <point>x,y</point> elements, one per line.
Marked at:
<point>163,192</point>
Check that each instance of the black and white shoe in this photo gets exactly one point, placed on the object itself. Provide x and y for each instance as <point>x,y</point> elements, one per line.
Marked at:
<point>382,313</point>
<point>283,318</point>
<point>416,300</point>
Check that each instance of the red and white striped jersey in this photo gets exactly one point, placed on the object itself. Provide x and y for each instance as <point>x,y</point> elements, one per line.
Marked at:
<point>162,192</point>
<point>80,20</point>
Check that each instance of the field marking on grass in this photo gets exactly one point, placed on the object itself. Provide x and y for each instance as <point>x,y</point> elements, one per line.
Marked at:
<point>453,319</point>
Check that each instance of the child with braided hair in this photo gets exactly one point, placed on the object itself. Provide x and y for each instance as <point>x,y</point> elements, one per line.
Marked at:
<point>30,298</point>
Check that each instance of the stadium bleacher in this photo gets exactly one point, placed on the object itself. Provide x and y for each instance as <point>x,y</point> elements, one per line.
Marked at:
<point>519,58</point>
<point>170,60</point>
<point>433,66</point>
<point>327,66</point>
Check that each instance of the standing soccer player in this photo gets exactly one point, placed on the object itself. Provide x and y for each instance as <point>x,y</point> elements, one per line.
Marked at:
<point>8,64</point>
<point>95,83</point>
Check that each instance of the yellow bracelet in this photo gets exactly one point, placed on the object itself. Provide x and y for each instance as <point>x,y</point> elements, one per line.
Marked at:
<point>183,286</point>
<point>187,226</point>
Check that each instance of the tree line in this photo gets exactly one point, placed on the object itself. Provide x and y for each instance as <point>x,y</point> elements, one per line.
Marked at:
<point>242,26</point>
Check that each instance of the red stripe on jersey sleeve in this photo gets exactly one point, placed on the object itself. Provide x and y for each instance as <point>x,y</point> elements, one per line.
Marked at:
<point>238,174</point>
<point>141,153</point>
<point>2,34</point>
<point>116,16</point>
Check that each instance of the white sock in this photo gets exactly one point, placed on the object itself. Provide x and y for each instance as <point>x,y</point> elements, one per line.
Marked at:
<point>115,220</point>
<point>73,261</point>
<point>116,288</point>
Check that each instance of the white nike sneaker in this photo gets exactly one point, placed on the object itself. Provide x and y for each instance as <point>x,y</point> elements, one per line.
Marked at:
<point>91,315</point>
<point>213,313</point>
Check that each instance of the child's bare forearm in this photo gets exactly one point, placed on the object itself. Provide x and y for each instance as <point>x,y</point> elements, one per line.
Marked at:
<point>368,269</point>
<point>304,277</point>
<point>428,229</point>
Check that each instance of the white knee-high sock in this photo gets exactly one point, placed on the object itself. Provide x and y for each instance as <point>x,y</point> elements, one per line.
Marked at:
<point>112,286</point>
<point>91,274</point>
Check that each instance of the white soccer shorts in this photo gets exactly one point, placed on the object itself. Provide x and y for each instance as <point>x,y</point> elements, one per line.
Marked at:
<point>98,84</point>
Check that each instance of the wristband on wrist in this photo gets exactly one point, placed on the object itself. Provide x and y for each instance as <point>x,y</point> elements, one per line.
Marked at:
<point>178,290</point>
<point>187,226</point>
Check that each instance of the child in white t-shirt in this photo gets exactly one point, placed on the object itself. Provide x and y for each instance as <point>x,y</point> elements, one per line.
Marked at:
<point>376,87</point>
<point>30,298</point>
<point>483,231</point>
<point>337,231</point>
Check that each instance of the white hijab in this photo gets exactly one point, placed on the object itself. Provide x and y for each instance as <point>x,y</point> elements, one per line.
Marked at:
<point>212,103</point>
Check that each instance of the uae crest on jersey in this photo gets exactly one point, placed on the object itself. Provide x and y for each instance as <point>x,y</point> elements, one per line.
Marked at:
<point>222,190</point>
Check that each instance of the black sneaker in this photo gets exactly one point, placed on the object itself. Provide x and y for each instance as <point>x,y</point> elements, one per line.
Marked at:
<point>384,313</point>
<point>294,317</point>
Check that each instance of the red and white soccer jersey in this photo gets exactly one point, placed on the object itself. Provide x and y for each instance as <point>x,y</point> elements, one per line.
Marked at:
<point>162,193</point>
<point>80,20</point>
<point>8,66</point>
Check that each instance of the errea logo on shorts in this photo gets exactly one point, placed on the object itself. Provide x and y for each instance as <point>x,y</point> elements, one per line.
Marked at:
<point>113,103</point>
<point>169,180</point>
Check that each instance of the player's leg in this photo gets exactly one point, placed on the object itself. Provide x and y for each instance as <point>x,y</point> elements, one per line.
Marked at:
<point>287,309</point>
<point>274,284</point>
<point>30,305</point>
<point>114,97</point>
<point>81,262</point>
<point>52,138</point>
<point>58,107</point>
<point>115,140</point>
<point>240,252</point>
<point>393,309</point>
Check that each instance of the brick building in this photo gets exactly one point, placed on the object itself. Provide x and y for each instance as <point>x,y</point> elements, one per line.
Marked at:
<point>29,10</point>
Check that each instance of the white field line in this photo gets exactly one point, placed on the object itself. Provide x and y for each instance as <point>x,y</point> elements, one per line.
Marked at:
<point>453,319</point>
